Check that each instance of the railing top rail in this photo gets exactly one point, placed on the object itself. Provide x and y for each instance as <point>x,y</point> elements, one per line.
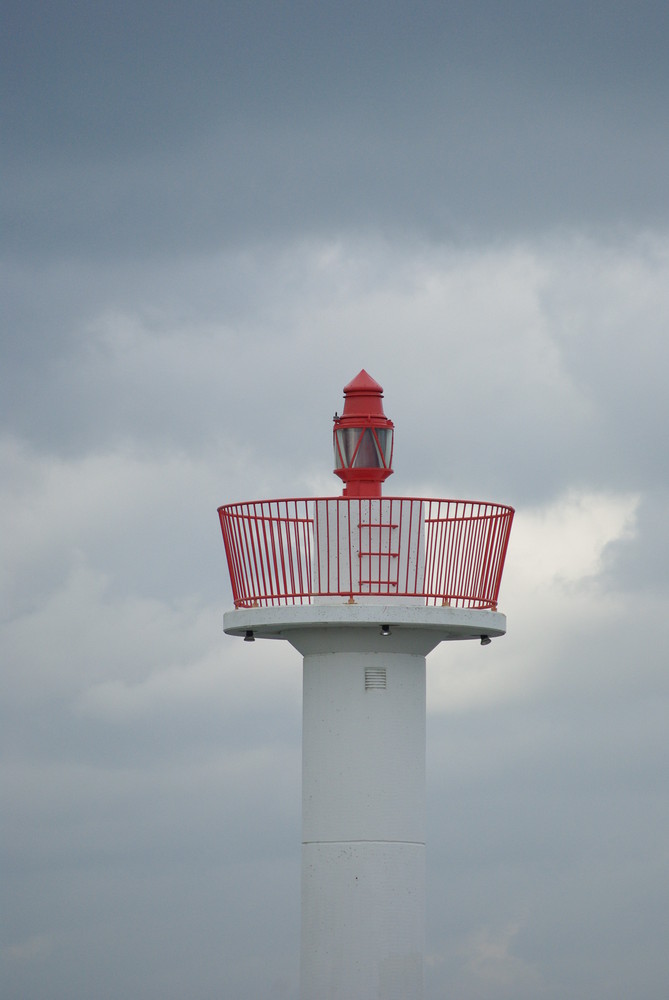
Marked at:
<point>349,500</point>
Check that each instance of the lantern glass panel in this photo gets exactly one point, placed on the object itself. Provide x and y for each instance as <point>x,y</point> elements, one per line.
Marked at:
<point>347,439</point>
<point>385,438</point>
<point>368,455</point>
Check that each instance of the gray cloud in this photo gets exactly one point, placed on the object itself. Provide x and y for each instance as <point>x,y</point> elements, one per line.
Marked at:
<point>214,217</point>
<point>206,127</point>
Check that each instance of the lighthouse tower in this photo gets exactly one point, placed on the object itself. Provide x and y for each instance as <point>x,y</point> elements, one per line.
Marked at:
<point>364,587</point>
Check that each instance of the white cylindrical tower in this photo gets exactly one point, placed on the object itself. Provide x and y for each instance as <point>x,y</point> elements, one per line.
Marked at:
<point>363,813</point>
<point>364,587</point>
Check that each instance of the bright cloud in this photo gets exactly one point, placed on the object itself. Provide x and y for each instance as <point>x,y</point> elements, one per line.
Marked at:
<point>550,587</point>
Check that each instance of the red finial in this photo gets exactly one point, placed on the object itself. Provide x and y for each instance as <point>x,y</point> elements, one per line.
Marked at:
<point>363,439</point>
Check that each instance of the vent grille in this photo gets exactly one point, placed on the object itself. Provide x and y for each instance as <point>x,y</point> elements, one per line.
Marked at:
<point>375,679</point>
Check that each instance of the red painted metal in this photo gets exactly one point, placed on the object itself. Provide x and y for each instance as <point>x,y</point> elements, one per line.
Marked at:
<point>363,439</point>
<point>280,553</point>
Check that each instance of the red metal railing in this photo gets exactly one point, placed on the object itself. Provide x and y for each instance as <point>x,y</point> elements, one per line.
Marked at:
<point>299,551</point>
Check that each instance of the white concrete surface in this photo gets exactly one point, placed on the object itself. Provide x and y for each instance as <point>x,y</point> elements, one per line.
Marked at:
<point>363,817</point>
<point>450,623</point>
<point>363,545</point>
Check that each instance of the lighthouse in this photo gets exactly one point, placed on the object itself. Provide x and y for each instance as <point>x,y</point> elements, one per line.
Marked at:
<point>364,586</point>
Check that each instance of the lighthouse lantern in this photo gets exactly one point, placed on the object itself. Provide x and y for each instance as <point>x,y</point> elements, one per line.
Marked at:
<point>363,438</point>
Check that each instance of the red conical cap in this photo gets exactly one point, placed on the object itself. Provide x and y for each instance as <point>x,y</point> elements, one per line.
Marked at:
<point>363,397</point>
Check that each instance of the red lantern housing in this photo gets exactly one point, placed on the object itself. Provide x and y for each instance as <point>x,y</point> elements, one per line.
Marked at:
<point>363,439</point>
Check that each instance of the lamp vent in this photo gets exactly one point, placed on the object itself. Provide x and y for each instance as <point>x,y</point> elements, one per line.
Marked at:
<point>375,679</point>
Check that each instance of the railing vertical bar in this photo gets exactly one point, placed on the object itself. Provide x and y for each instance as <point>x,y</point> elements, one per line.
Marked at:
<point>485,553</point>
<point>276,542</point>
<point>508,520</point>
<point>488,551</point>
<point>252,587</point>
<point>241,551</point>
<point>285,539</point>
<point>433,545</point>
<point>489,533</point>
<point>230,555</point>
<point>500,552</point>
<point>493,557</point>
<point>292,529</point>
<point>299,550</point>
<point>318,583</point>
<point>474,553</point>
<point>280,554</point>
<point>434,533</point>
<point>451,564</point>
<point>310,520</point>
<point>438,530</point>
<point>400,527</point>
<point>485,543</point>
<point>473,556</point>
<point>350,546</point>
<point>263,552</point>
<point>293,554</point>
<point>305,560</point>
<point>241,529</point>
<point>272,585</point>
<point>447,563</point>
<point>246,527</point>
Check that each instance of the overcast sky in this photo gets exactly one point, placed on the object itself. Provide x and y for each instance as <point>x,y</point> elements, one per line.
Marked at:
<point>216,214</point>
